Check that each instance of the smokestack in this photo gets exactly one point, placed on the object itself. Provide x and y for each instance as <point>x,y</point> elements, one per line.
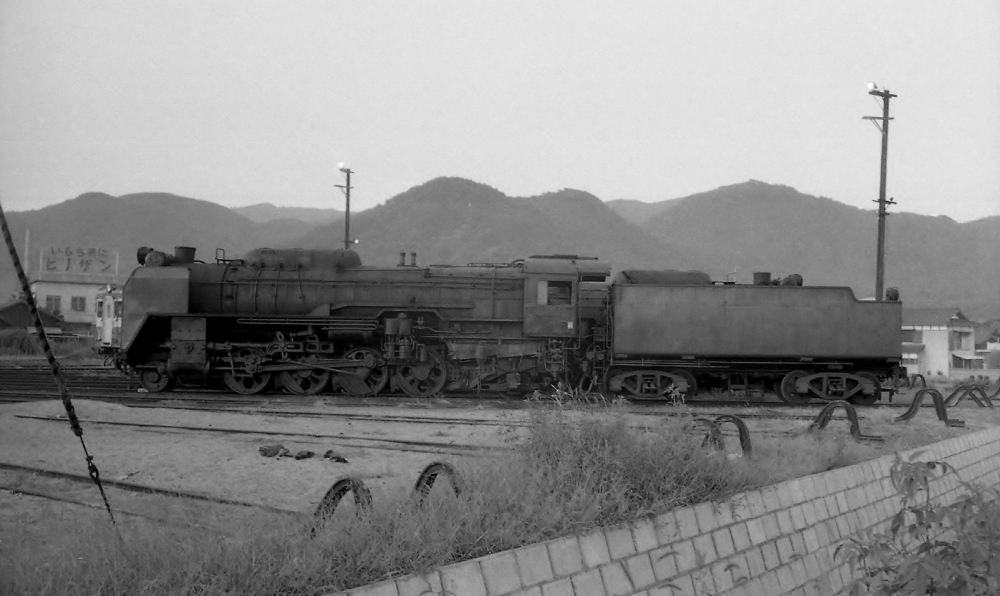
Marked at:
<point>413,259</point>
<point>402,259</point>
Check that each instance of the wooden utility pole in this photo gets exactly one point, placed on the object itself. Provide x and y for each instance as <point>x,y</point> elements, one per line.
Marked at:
<point>882,202</point>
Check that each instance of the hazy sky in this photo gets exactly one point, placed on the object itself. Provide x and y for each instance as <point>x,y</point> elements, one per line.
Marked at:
<point>242,101</point>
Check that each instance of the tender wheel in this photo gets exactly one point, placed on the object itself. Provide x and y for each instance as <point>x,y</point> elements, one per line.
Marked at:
<point>305,382</point>
<point>247,379</point>
<point>866,400</point>
<point>425,378</point>
<point>691,381</point>
<point>787,391</point>
<point>369,377</point>
<point>154,380</point>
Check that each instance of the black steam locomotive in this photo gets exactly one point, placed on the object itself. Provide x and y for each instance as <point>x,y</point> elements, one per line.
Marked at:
<point>311,321</point>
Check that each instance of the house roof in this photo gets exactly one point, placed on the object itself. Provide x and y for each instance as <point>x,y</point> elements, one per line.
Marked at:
<point>17,315</point>
<point>926,317</point>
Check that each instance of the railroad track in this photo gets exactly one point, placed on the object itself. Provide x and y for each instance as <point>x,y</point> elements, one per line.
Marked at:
<point>28,381</point>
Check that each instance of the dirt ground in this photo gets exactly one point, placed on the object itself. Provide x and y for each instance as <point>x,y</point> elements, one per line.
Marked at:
<point>178,450</point>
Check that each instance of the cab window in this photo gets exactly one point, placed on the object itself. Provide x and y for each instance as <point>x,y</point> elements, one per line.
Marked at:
<point>555,293</point>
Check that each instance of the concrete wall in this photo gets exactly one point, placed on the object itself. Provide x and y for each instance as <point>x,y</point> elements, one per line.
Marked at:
<point>778,540</point>
<point>937,356</point>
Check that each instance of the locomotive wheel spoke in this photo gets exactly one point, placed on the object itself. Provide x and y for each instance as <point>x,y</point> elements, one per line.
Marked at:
<point>154,380</point>
<point>787,391</point>
<point>369,377</point>
<point>423,379</point>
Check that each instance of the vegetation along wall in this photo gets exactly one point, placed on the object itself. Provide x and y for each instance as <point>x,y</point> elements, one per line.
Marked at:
<point>774,541</point>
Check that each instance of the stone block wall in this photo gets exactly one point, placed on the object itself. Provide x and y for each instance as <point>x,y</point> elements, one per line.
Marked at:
<point>779,540</point>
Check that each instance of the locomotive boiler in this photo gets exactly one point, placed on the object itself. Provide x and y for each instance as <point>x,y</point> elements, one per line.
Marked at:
<point>314,320</point>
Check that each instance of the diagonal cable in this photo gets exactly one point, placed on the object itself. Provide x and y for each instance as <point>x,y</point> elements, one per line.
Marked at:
<point>74,422</point>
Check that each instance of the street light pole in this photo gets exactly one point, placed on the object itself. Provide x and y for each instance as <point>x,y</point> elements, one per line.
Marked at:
<point>347,212</point>
<point>882,202</point>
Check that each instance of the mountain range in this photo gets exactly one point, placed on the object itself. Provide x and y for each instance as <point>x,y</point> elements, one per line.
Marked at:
<point>742,228</point>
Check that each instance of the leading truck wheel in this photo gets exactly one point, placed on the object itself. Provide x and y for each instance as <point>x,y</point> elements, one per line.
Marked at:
<point>423,379</point>
<point>155,380</point>
<point>866,400</point>
<point>787,391</point>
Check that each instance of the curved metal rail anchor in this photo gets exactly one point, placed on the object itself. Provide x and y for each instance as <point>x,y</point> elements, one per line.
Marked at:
<point>826,414</point>
<point>426,480</point>
<point>965,390</point>
<point>340,488</point>
<point>939,407</point>
<point>714,435</point>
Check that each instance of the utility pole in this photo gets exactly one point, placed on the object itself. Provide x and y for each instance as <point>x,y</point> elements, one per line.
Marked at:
<point>347,212</point>
<point>882,202</point>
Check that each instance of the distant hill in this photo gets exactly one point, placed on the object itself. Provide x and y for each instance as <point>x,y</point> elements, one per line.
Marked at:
<point>265,212</point>
<point>755,226</point>
<point>752,226</point>
<point>456,221</point>
<point>639,212</point>
<point>127,222</point>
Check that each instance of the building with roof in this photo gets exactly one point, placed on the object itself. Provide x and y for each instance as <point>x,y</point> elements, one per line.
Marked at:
<point>939,341</point>
<point>17,315</point>
<point>69,282</point>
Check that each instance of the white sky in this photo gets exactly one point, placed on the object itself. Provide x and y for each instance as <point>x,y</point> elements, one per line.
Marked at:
<point>239,101</point>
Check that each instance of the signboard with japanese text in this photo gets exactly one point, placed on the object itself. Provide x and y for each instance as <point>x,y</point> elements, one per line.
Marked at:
<point>81,261</point>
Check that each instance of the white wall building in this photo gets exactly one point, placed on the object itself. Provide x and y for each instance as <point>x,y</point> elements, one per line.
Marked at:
<point>939,341</point>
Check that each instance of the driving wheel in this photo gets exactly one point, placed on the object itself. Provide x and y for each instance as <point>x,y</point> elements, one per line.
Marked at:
<point>308,381</point>
<point>423,379</point>
<point>246,378</point>
<point>369,377</point>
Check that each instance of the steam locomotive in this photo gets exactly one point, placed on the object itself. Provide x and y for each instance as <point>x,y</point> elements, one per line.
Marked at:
<point>309,321</point>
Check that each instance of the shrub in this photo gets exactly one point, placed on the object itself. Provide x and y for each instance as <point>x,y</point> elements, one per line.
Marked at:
<point>18,342</point>
<point>931,548</point>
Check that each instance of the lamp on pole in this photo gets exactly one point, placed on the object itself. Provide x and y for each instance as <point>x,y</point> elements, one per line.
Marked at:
<point>347,211</point>
<point>882,202</point>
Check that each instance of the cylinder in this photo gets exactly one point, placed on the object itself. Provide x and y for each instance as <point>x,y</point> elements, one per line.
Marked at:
<point>184,254</point>
<point>761,278</point>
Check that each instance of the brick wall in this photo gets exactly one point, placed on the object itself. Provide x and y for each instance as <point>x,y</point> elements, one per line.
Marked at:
<point>775,541</point>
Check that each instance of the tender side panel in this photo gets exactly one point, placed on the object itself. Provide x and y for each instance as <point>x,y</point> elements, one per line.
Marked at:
<point>152,290</point>
<point>753,322</point>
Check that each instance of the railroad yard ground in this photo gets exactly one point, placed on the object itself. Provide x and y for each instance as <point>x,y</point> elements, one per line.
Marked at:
<point>209,455</point>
